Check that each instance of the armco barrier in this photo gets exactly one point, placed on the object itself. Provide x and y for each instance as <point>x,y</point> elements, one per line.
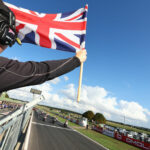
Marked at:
<point>131,141</point>
<point>13,124</point>
<point>109,133</point>
<point>98,129</point>
<point>121,137</point>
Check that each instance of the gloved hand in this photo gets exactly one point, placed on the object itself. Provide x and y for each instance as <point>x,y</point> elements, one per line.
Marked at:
<point>8,32</point>
<point>7,35</point>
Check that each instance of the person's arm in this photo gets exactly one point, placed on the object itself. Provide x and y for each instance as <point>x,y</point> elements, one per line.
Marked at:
<point>2,48</point>
<point>14,74</point>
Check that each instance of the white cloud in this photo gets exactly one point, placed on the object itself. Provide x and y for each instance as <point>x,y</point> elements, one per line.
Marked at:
<point>55,81</point>
<point>147,111</point>
<point>15,58</point>
<point>66,78</point>
<point>93,98</point>
<point>98,99</point>
<point>24,93</point>
<point>69,92</point>
<point>133,110</point>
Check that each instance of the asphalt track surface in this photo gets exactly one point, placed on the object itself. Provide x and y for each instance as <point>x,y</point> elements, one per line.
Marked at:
<point>48,136</point>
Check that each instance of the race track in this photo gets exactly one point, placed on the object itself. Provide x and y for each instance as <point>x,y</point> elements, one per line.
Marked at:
<point>48,136</point>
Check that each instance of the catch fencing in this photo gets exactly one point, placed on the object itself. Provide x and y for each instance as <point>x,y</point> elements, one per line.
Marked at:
<point>12,125</point>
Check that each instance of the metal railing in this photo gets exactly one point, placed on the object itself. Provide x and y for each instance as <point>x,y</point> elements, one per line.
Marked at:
<point>13,124</point>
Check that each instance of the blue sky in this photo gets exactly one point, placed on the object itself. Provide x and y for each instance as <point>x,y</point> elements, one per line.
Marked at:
<point>117,42</point>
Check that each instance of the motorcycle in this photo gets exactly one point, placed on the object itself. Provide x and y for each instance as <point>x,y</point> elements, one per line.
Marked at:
<point>66,124</point>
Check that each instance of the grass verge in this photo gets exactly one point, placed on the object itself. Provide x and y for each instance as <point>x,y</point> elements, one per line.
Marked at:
<point>104,140</point>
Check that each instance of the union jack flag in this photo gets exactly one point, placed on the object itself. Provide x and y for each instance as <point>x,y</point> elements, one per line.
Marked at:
<point>62,31</point>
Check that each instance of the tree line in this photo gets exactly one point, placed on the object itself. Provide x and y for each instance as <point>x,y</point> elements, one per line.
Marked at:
<point>98,117</point>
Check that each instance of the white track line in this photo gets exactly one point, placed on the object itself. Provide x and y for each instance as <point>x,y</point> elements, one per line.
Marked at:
<point>91,140</point>
<point>41,124</point>
<point>71,130</point>
<point>28,135</point>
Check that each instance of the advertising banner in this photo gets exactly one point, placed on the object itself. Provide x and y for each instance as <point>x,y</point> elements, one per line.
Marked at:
<point>98,129</point>
<point>108,133</point>
<point>131,141</point>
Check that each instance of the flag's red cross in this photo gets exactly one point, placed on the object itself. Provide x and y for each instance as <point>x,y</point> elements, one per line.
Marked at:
<point>45,23</point>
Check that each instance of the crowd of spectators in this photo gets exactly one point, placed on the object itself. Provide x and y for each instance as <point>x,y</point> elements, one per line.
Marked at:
<point>8,105</point>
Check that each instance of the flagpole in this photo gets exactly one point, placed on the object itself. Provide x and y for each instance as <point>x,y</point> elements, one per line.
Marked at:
<point>81,66</point>
<point>80,82</point>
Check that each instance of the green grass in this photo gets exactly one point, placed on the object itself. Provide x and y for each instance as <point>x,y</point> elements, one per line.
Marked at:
<point>112,124</point>
<point>106,141</point>
<point>71,124</point>
<point>47,110</point>
<point>11,100</point>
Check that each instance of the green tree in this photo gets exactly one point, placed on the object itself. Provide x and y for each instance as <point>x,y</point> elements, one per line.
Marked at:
<point>64,112</point>
<point>6,95</point>
<point>99,118</point>
<point>88,114</point>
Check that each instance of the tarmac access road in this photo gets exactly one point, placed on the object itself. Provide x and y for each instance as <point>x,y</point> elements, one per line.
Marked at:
<point>45,135</point>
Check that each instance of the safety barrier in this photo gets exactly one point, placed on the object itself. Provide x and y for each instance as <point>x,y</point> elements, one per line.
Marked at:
<point>13,124</point>
<point>131,141</point>
<point>123,138</point>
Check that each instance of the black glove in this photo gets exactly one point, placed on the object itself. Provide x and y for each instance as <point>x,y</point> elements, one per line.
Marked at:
<point>7,36</point>
<point>8,32</point>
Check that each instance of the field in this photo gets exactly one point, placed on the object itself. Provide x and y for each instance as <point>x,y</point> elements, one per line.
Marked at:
<point>12,100</point>
<point>107,122</point>
<point>106,141</point>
